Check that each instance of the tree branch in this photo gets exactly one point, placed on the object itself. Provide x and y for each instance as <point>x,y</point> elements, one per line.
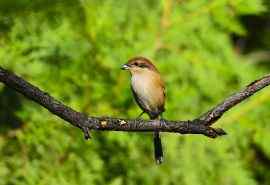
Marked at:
<point>200,125</point>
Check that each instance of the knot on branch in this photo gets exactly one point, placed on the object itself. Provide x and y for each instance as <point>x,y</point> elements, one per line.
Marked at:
<point>214,132</point>
<point>86,133</point>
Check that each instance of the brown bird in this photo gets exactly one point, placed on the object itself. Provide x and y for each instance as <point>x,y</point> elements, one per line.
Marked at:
<point>149,92</point>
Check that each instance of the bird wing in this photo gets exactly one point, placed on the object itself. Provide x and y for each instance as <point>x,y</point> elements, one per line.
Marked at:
<point>161,85</point>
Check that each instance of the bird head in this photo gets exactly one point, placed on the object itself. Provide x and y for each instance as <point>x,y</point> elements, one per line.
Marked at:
<point>139,65</point>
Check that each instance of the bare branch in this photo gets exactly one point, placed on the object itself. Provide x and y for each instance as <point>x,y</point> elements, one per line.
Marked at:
<point>199,125</point>
<point>214,114</point>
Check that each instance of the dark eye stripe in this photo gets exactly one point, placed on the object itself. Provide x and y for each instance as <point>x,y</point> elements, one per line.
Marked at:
<point>140,65</point>
<point>143,65</point>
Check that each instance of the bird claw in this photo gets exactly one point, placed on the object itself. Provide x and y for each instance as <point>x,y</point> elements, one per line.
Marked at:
<point>163,123</point>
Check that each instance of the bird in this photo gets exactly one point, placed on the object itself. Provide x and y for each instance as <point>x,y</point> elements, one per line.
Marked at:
<point>148,89</point>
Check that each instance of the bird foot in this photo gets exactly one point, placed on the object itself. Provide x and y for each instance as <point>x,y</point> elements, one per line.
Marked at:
<point>163,123</point>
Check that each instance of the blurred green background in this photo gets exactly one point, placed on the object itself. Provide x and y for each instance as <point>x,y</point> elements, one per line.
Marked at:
<point>73,49</point>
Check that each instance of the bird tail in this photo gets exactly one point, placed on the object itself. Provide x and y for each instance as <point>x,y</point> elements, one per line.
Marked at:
<point>158,148</point>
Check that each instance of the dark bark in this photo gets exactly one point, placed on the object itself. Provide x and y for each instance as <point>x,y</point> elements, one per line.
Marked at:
<point>200,125</point>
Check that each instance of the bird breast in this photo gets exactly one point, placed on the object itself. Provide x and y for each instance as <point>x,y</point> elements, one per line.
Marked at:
<point>149,90</point>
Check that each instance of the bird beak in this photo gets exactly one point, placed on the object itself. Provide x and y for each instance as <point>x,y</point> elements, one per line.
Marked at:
<point>125,67</point>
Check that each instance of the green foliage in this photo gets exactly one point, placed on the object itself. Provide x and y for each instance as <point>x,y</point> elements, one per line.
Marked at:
<point>74,50</point>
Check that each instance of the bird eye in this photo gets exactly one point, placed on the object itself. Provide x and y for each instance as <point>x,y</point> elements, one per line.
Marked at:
<point>136,63</point>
